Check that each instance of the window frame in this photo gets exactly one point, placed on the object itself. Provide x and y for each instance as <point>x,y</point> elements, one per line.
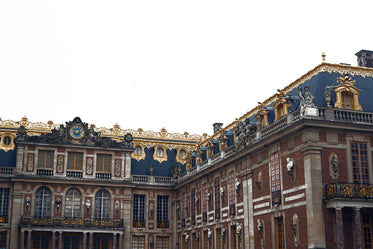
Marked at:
<point>138,211</point>
<point>103,163</point>
<point>73,162</point>
<point>45,159</point>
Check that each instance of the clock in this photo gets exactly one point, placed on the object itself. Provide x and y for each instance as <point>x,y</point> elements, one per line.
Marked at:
<point>76,132</point>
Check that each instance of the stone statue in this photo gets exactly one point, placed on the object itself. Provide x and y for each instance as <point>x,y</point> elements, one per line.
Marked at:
<point>306,100</point>
<point>290,164</point>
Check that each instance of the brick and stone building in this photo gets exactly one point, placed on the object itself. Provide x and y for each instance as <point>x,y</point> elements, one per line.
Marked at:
<point>293,172</point>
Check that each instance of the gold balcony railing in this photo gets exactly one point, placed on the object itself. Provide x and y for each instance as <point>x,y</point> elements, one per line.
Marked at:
<point>71,222</point>
<point>348,191</point>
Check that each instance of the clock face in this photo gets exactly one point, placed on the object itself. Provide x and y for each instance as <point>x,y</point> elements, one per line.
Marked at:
<point>76,132</point>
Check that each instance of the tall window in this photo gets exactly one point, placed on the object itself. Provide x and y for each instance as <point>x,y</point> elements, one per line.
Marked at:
<point>43,201</point>
<point>233,237</point>
<point>2,240</point>
<point>366,223</point>
<point>75,161</point>
<point>139,211</point>
<point>101,242</point>
<point>102,204</point>
<point>4,205</point>
<point>162,243</point>
<point>73,201</point>
<point>360,162</point>
<point>162,212</point>
<point>103,163</point>
<point>280,233</point>
<point>40,241</point>
<point>45,159</point>
<point>71,241</point>
<point>138,242</point>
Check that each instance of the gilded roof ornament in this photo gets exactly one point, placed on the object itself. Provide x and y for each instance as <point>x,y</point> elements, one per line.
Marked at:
<point>323,56</point>
<point>346,80</point>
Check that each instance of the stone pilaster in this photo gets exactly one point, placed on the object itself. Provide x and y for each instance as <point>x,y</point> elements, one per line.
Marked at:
<point>127,166</point>
<point>339,228</point>
<point>22,239</point>
<point>15,213</point>
<point>59,240</point>
<point>114,241</point>
<point>358,238</point>
<point>28,240</point>
<point>314,197</point>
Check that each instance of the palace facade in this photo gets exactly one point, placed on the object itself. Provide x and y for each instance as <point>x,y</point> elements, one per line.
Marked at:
<point>293,172</point>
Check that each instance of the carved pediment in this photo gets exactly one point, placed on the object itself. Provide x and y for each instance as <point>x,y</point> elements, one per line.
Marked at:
<point>76,132</point>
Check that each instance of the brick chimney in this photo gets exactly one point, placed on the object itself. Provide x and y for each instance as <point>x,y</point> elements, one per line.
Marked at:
<point>365,58</point>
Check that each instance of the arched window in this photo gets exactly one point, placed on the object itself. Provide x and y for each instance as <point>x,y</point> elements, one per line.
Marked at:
<point>73,200</point>
<point>43,200</point>
<point>102,204</point>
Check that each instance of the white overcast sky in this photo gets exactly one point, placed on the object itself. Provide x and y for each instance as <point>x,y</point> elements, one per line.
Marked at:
<point>182,65</point>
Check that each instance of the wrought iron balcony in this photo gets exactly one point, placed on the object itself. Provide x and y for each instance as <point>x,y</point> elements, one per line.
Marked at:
<point>139,223</point>
<point>71,222</point>
<point>348,191</point>
<point>3,218</point>
<point>163,224</point>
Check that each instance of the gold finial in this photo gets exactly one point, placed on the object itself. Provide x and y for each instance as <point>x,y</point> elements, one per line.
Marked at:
<point>323,56</point>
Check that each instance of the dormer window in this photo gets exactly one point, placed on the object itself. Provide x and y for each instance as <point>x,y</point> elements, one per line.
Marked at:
<point>347,94</point>
<point>138,153</point>
<point>280,105</point>
<point>160,154</point>
<point>181,156</point>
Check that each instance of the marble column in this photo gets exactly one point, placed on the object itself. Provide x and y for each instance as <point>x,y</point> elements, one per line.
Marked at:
<point>60,240</point>
<point>84,244</point>
<point>339,228</point>
<point>28,240</point>
<point>90,245</point>
<point>358,237</point>
<point>114,241</point>
<point>120,242</point>
<point>22,239</point>
<point>53,243</point>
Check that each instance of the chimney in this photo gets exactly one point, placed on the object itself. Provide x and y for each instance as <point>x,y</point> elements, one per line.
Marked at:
<point>217,127</point>
<point>365,58</point>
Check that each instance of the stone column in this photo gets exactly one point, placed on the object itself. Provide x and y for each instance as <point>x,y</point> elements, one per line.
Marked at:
<point>120,246</point>
<point>90,244</point>
<point>22,239</point>
<point>28,240</point>
<point>60,240</point>
<point>314,196</point>
<point>339,228</point>
<point>114,241</point>
<point>53,243</point>
<point>84,244</point>
<point>358,237</point>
